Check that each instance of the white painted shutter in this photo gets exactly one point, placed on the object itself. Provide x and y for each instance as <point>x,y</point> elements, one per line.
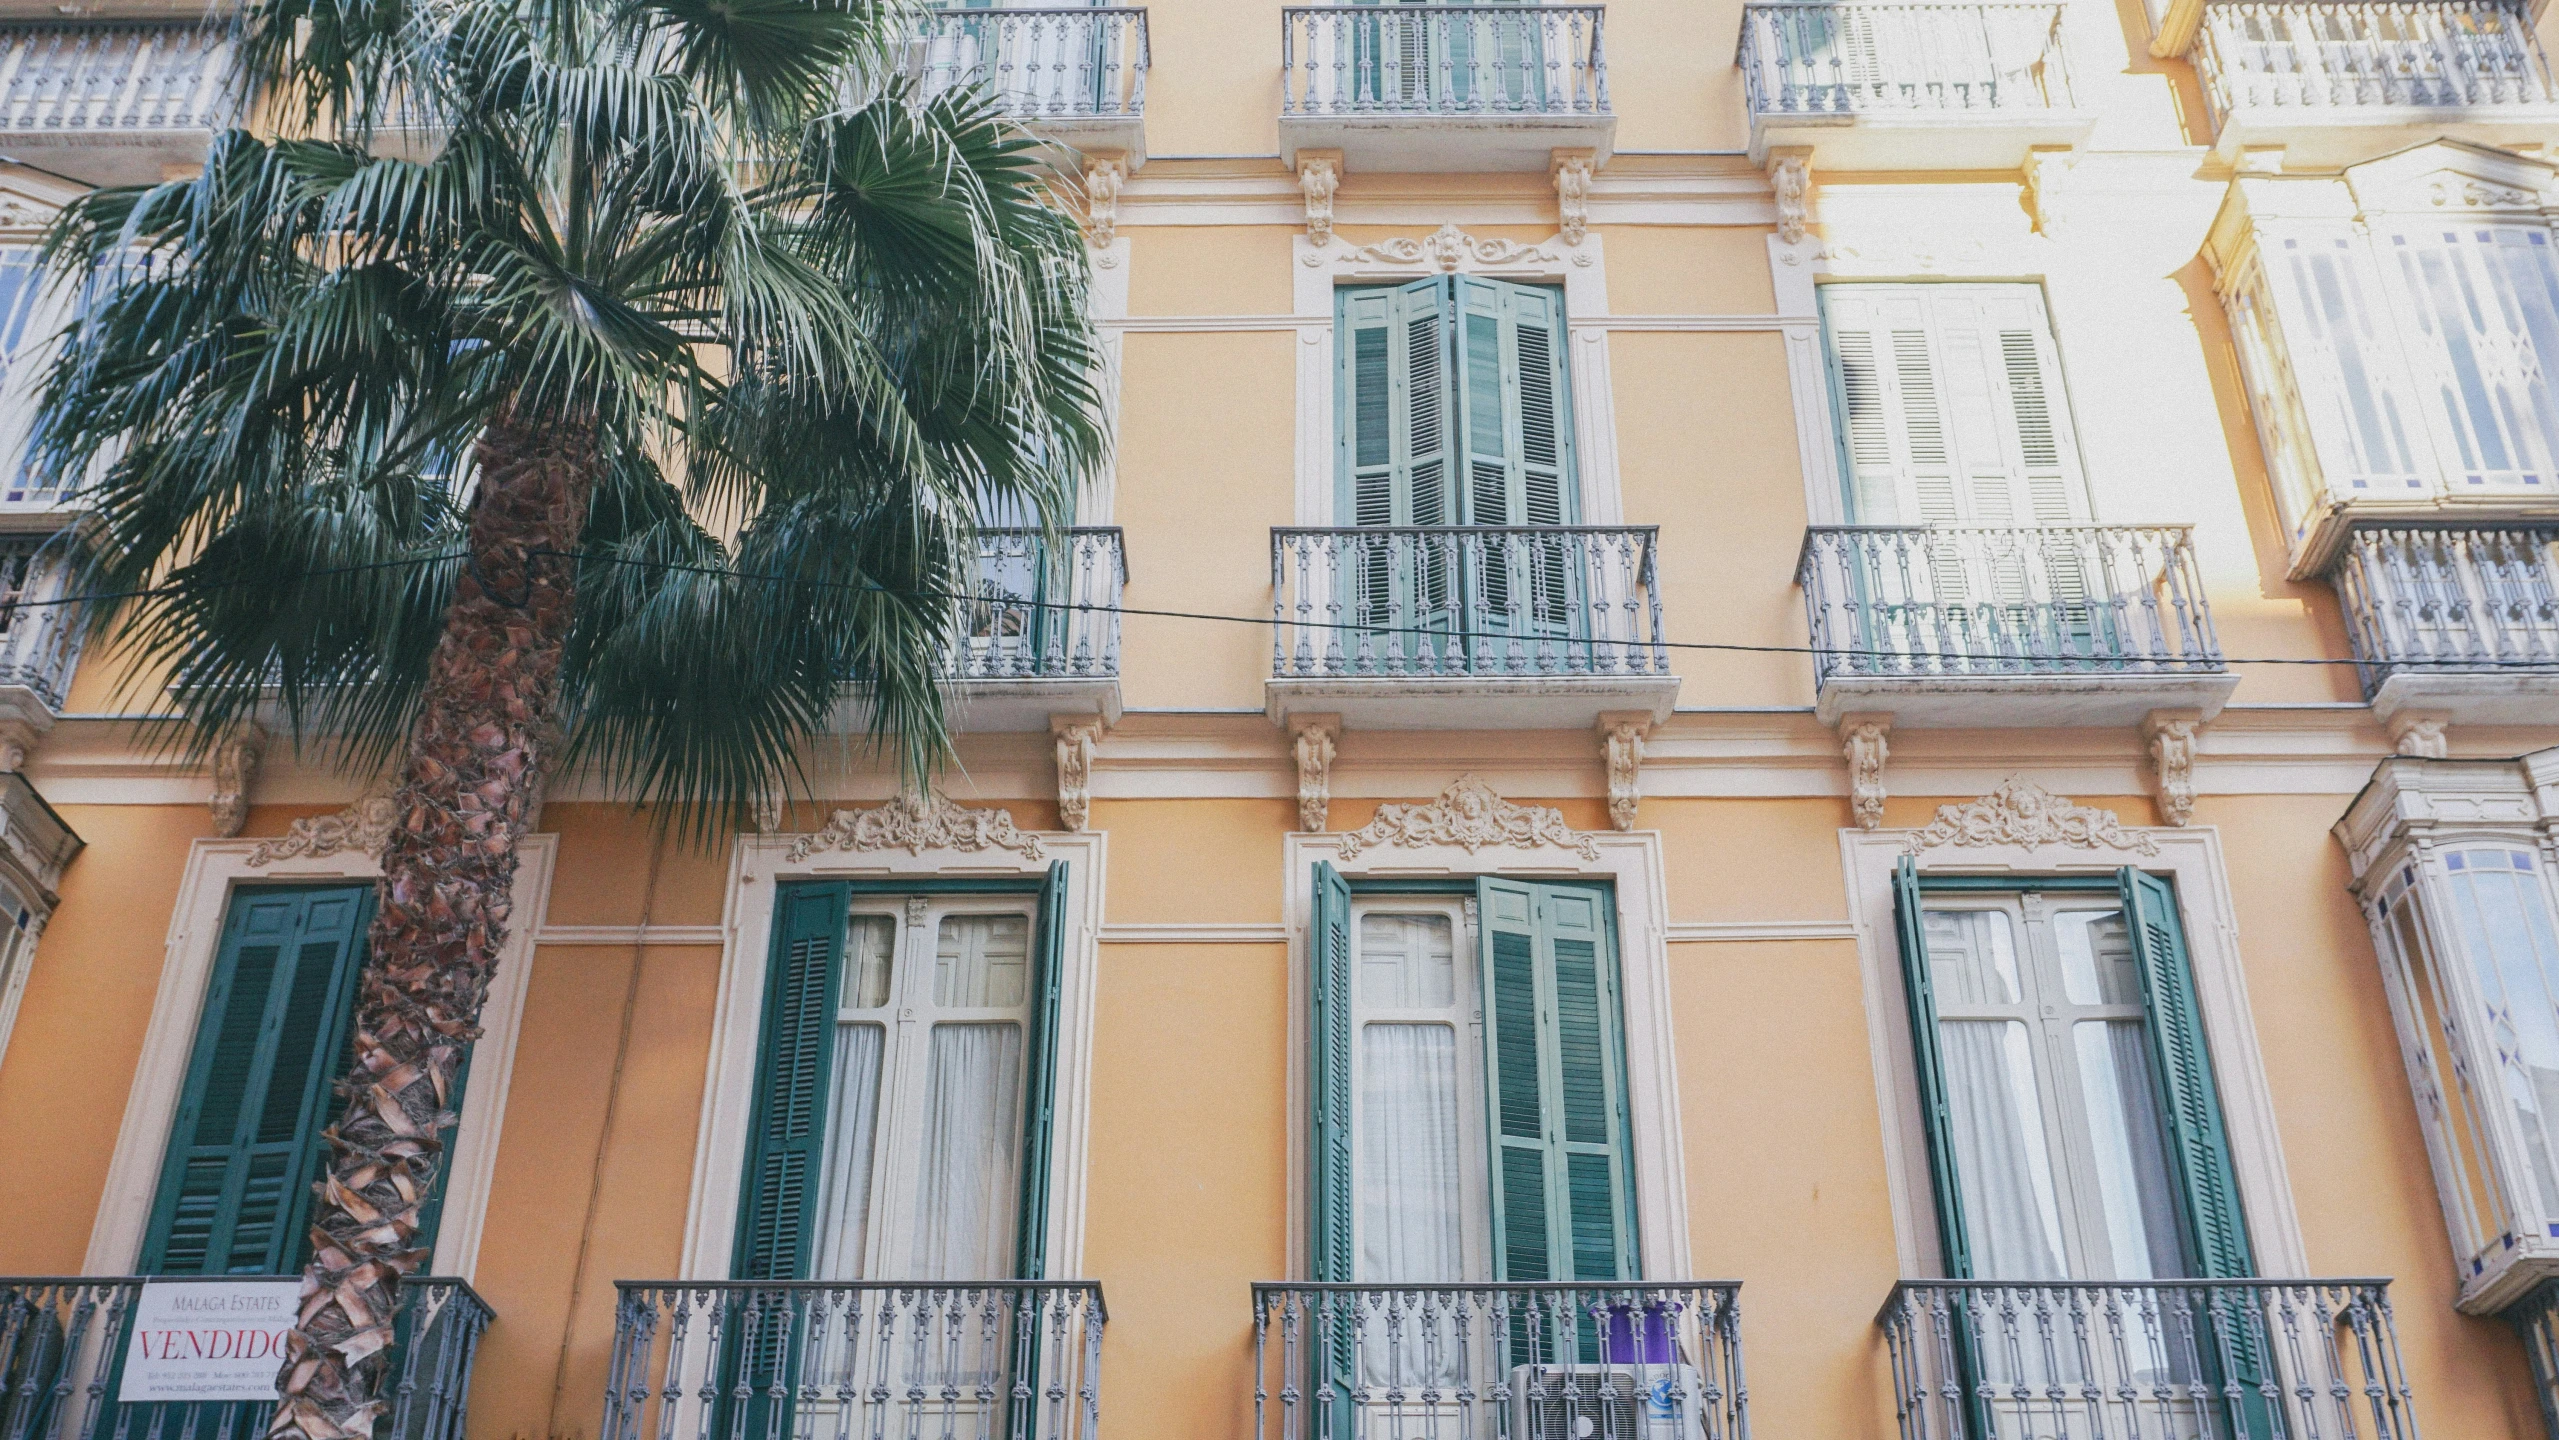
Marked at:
<point>1951,404</point>
<point>2337,337</point>
<point>2480,303</point>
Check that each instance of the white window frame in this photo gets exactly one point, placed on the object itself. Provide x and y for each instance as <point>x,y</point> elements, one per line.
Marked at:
<point>1631,861</point>
<point>758,867</point>
<point>905,1081</point>
<point>2190,855</point>
<point>1582,271</point>
<point>1465,1015</point>
<point>217,869</point>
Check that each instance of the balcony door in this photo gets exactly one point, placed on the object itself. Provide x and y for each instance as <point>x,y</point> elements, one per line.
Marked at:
<point>1952,416</point>
<point>2075,1140</point>
<point>1453,410</point>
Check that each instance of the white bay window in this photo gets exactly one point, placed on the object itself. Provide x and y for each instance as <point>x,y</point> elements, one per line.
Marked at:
<point>2454,863</point>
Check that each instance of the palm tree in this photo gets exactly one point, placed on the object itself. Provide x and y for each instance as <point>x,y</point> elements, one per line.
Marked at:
<point>609,383</point>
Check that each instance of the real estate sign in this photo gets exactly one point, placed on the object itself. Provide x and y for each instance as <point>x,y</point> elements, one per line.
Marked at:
<point>208,1340</point>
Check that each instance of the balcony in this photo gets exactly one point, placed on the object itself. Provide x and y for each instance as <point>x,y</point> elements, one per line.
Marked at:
<point>1983,626</point>
<point>63,1342</point>
<point>1901,86</point>
<point>1523,1361</point>
<point>1077,77</point>
<point>1040,630</point>
<point>39,644</point>
<point>1462,627</point>
<point>2337,81</point>
<point>112,102</point>
<point>991,1360</point>
<point>2459,620</point>
<point>2227,1359</point>
<point>1444,87</point>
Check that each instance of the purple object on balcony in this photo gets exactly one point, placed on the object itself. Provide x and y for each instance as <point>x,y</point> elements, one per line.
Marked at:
<point>1645,1335</point>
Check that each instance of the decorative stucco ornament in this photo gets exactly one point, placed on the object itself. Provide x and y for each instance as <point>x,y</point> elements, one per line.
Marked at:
<point>915,824</point>
<point>1446,248</point>
<point>2023,813</point>
<point>363,827</point>
<point>1469,816</point>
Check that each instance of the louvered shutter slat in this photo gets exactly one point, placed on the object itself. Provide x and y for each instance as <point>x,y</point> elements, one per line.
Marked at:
<point>1910,925</point>
<point>786,1137</point>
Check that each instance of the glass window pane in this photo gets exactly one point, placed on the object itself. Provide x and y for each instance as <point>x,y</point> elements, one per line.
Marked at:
<point>2012,1214</point>
<point>2097,964</point>
<point>1409,1199</point>
<point>844,1193</point>
<point>1972,957</point>
<point>2131,1148</point>
<point>869,944</point>
<point>970,1152</point>
<point>2502,917</point>
<point>1407,961</point>
<point>982,960</point>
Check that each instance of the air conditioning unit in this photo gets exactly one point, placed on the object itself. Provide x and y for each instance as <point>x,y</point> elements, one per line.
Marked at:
<point>1606,1402</point>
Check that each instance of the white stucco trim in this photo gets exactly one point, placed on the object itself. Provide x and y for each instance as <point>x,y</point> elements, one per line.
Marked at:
<point>1581,269</point>
<point>2192,857</point>
<point>1632,862</point>
<point>1109,300</point>
<point>214,869</point>
<point>762,863</point>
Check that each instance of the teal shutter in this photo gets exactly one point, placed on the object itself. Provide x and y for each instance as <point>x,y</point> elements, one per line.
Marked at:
<point>1514,430</point>
<point>245,1148</point>
<point>1328,1210</point>
<point>2199,1146</point>
<point>786,1138</point>
<point>1039,1099</point>
<point>1563,1183</point>
<point>1911,925</point>
<point>1391,406</point>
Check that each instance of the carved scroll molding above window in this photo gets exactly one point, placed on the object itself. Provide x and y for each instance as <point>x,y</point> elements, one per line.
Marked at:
<point>363,827</point>
<point>1471,817</point>
<point>917,823</point>
<point>2021,812</point>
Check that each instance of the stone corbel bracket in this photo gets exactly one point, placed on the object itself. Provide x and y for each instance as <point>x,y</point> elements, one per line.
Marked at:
<point>1319,174</point>
<point>1621,746</point>
<point>1105,171</point>
<point>1077,735</point>
<point>1862,744</point>
<point>2170,736</point>
<point>2420,733</point>
<point>235,770</point>
<point>1790,183</point>
<point>1313,741</point>
<point>1572,171</point>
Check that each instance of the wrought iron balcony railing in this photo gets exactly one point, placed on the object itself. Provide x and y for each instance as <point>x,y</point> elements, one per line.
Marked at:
<point>2428,600</point>
<point>2213,1359</point>
<point>1639,1361</point>
<point>2335,54</point>
<point>1425,61</point>
<point>39,642</point>
<point>1930,601</point>
<point>63,1342</point>
<point>752,1360</point>
<point>1815,58</point>
<point>113,77</point>
<point>1041,64</point>
<point>1483,601</point>
<point>1038,612</point>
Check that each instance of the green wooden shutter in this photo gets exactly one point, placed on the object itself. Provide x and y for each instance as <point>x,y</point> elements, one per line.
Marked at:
<point>1391,405</point>
<point>1329,1255</point>
<point>786,1138</point>
<point>2199,1146</point>
<point>1911,925</point>
<point>1563,1182</point>
<point>1039,1100</point>
<point>245,1147</point>
<point>1515,452</point>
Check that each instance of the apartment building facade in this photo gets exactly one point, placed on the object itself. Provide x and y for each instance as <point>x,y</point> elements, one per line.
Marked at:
<point>1864,741</point>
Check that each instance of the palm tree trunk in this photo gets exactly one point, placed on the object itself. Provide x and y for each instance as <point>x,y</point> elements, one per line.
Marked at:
<point>448,872</point>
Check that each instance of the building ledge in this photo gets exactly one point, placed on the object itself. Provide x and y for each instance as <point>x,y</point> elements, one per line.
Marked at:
<point>2326,137</point>
<point>985,707</point>
<point>1447,144</point>
<point>1503,702</point>
<point>2498,697</point>
<point>1990,702</point>
<point>1919,139</point>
